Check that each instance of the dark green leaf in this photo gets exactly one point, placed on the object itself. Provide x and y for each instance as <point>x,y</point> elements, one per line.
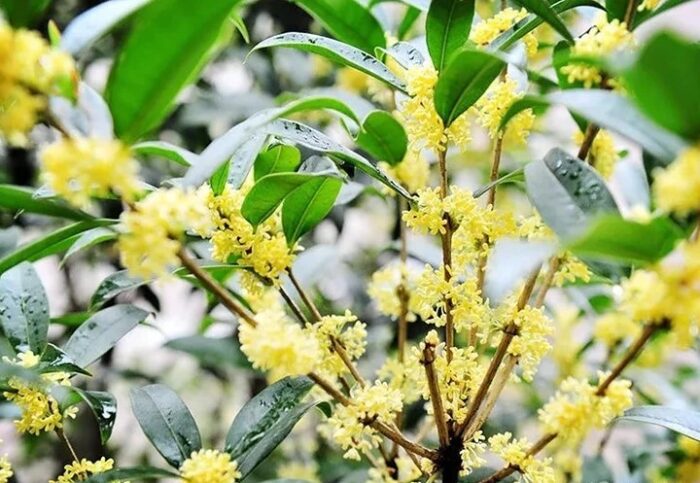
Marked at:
<point>447,28</point>
<point>515,176</point>
<point>166,150</point>
<point>55,359</point>
<point>104,406</point>
<point>383,137</point>
<point>681,421</point>
<point>17,198</point>
<point>71,319</point>
<point>211,351</point>
<point>567,193</point>
<point>265,421</point>
<point>23,13</point>
<point>277,159</point>
<point>134,474</point>
<point>308,205</point>
<point>243,160</point>
<point>544,10</point>
<point>166,48</point>
<point>466,78</point>
<point>405,54</point>
<point>219,179</point>
<point>167,422</point>
<point>101,332</point>
<point>24,309</point>
<point>89,239</point>
<point>113,285</point>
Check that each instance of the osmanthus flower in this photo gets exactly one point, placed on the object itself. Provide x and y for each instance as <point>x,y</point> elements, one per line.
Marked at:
<point>575,409</point>
<point>614,327</point>
<point>346,330</point>
<point>514,452</point>
<point>424,126</point>
<point>604,38</point>
<point>489,29</point>
<point>603,154</point>
<point>5,469</point>
<point>472,452</point>
<point>209,466</point>
<point>153,230</point>
<point>29,71</point>
<point>81,168</point>
<point>427,214</point>
<point>689,468</point>
<point>491,107</point>
<point>385,285</point>
<point>412,172</point>
<point>81,470</point>
<point>279,345</point>
<point>405,472</point>
<point>406,377</point>
<point>40,410</point>
<point>349,424</point>
<point>677,187</point>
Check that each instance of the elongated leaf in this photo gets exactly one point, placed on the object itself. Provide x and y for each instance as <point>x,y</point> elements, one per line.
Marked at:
<point>113,285</point>
<point>89,239</point>
<point>17,198</point>
<point>166,150</point>
<point>88,117</point>
<point>104,407</point>
<point>50,244</point>
<point>265,421</point>
<point>348,21</point>
<point>54,359</point>
<point>92,24</point>
<point>243,160</point>
<point>515,176</point>
<point>383,137</point>
<point>681,421</point>
<point>339,52</point>
<point>464,81</point>
<point>211,351</point>
<point>23,13</point>
<point>307,205</point>
<point>405,54</point>
<point>544,10</point>
<point>167,422</point>
<point>567,193</point>
<point>614,238</point>
<point>138,473</point>
<point>447,28</point>
<point>278,159</point>
<point>313,139</point>
<point>166,48</point>
<point>101,332</point>
<point>24,309</point>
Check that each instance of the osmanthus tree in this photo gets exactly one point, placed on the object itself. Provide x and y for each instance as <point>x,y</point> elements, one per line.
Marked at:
<point>472,325</point>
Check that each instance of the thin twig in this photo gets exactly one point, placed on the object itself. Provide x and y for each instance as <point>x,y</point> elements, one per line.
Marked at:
<point>402,290</point>
<point>428,361</point>
<point>62,435</point>
<point>547,281</point>
<point>307,300</point>
<point>342,353</point>
<point>446,239</point>
<point>588,138</point>
<point>292,305</point>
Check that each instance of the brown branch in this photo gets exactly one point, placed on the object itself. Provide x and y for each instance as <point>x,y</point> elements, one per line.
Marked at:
<point>62,435</point>
<point>510,469</point>
<point>446,239</point>
<point>591,132</point>
<point>554,264</point>
<point>342,353</point>
<point>495,166</point>
<point>307,300</point>
<point>428,360</point>
<point>293,306</point>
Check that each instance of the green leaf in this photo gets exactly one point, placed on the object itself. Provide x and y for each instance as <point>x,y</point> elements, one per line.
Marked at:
<point>544,10</point>
<point>338,52</point>
<point>316,140</point>
<point>219,179</point>
<point>612,238</point>
<point>307,205</point>
<point>567,193</point>
<point>383,137</point>
<point>467,76</point>
<point>277,159</point>
<point>348,21</point>
<point>92,24</point>
<point>24,309</point>
<point>681,421</point>
<point>54,359</point>
<point>167,422</point>
<point>243,159</point>
<point>113,285</point>
<point>23,13</point>
<point>661,82</point>
<point>167,47</point>
<point>265,421</point>
<point>101,332</point>
<point>86,116</point>
<point>447,28</point>
<point>165,150</point>
<point>405,54</point>
<point>104,407</point>
<point>17,198</point>
<point>54,242</point>
<point>211,351</point>
<point>89,239</point>
<point>134,474</point>
<point>515,176</point>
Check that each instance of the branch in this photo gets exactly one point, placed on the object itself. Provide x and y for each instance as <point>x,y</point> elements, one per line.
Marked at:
<point>428,360</point>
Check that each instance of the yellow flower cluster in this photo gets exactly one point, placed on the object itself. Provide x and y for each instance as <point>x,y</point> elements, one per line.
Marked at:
<point>404,377</point>
<point>349,332</point>
<point>689,468</point>
<point>29,71</point>
<point>412,172</point>
<point>297,470</point>
<point>423,125</point>
<point>488,30</point>
<point>604,38</point>
<point>78,169</point>
<point>5,469</point>
<point>614,327</point>
<point>575,409</point>
<point>491,107</point>
<point>427,214</point>
<point>349,424</point>
<point>264,249</point>
<point>209,466</point>
<point>677,188</point>
<point>603,153</point>
<point>40,410</point>
<point>405,472</point>
<point>471,453</point>
<point>649,5</point>
<point>152,231</point>
<point>384,288</point>
<point>81,470</point>
<point>279,345</point>
<point>570,270</point>
<point>530,344</point>
<point>514,452</point>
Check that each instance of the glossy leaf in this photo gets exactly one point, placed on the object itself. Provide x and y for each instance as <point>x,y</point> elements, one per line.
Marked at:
<point>243,159</point>
<point>18,198</point>
<point>277,159</point>
<point>137,473</point>
<point>308,205</point>
<point>113,285</point>
<point>23,13</point>
<point>24,309</point>
<point>681,421</point>
<point>211,351</point>
<point>544,10</point>
<point>89,239</point>
<point>265,421</point>
<point>383,137</point>
<point>165,150</point>
<point>349,21</point>
<point>166,48</point>
<point>104,407</point>
<point>468,75</point>
<point>101,332</point>
<point>447,28</point>
<point>405,54</point>
<point>167,422</point>
<point>54,359</point>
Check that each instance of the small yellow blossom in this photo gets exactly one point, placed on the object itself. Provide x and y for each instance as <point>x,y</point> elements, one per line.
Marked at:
<point>471,453</point>
<point>677,188</point>
<point>412,172</point>
<point>347,331</point>
<point>488,30</point>
<point>278,345</point>
<point>648,5</point>
<point>514,452</point>
<point>570,269</point>
<point>604,38</point>
<point>614,327</point>
<point>427,215</point>
<point>491,107</point>
<point>296,470</point>
<point>405,472</point>
<point>152,231</point>
<point>5,469</point>
<point>385,290</point>
<point>603,154</point>
<point>81,470</point>
<point>79,169</point>
<point>405,377</point>
<point>352,80</point>
<point>209,466</point>
<point>530,343</point>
